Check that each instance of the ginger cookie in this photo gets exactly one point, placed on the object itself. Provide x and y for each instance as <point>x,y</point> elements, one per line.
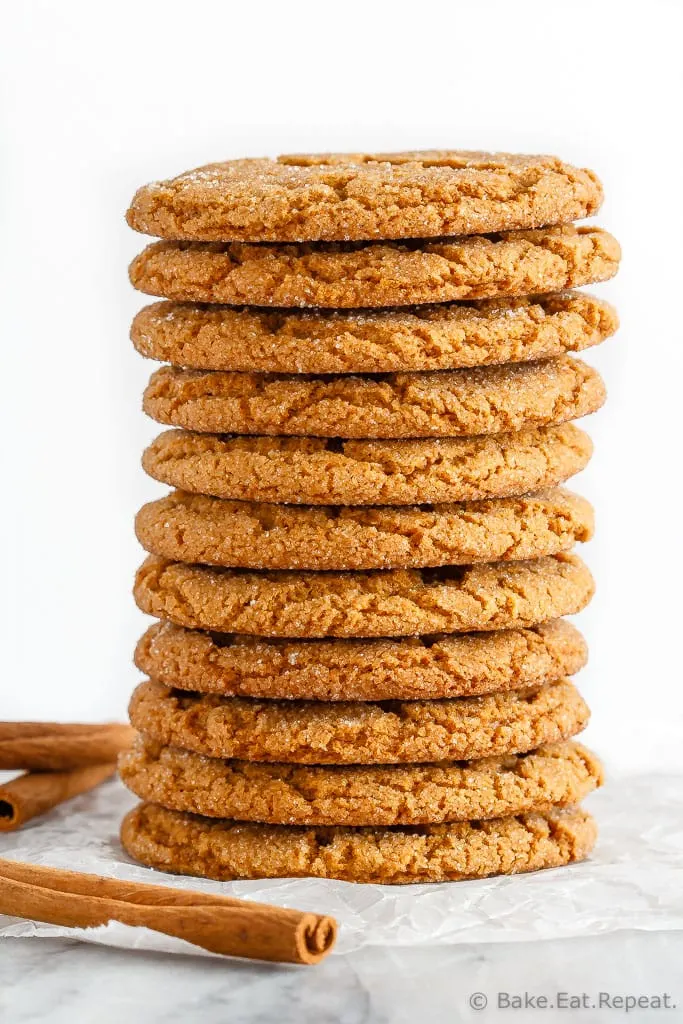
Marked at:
<point>484,400</point>
<point>188,844</point>
<point>364,732</point>
<point>286,794</point>
<point>365,195</point>
<point>319,471</point>
<point>371,274</point>
<point>421,338</point>
<point>385,603</point>
<point>193,528</point>
<point>462,665</point>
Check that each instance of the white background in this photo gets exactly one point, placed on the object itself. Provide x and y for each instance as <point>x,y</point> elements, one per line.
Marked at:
<point>97,99</point>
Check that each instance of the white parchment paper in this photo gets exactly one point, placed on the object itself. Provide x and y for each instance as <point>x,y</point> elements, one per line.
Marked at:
<point>634,879</point>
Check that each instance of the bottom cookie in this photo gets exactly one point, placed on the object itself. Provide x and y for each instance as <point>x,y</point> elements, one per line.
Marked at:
<point>187,844</point>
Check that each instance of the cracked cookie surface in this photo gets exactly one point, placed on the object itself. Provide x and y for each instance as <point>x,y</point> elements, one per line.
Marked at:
<point>361,195</point>
<point>191,845</point>
<point>421,338</point>
<point>379,603</point>
<point>363,732</point>
<point>389,602</point>
<point>460,665</point>
<point>194,528</point>
<point>491,787</point>
<point>319,471</point>
<point>485,400</point>
<point>356,275</point>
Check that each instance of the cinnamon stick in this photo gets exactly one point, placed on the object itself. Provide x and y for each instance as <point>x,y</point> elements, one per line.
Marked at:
<point>219,924</point>
<point>51,746</point>
<point>38,792</point>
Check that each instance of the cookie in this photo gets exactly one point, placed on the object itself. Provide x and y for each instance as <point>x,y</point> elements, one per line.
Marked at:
<point>353,275</point>
<point>285,794</point>
<point>193,528</point>
<point>485,400</point>
<point>188,844</point>
<point>317,471</point>
<point>414,668</point>
<point>437,337</point>
<point>389,603</point>
<point>345,732</point>
<point>365,195</point>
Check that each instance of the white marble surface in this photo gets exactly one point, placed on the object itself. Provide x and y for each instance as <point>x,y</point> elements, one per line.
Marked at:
<point>56,981</point>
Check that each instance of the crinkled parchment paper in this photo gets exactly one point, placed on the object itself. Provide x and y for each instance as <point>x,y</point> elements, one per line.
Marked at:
<point>634,879</point>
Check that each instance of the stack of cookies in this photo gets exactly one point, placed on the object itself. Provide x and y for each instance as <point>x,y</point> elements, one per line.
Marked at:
<point>362,666</point>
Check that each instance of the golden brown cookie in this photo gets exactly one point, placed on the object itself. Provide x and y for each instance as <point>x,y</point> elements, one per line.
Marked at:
<point>364,732</point>
<point>320,471</point>
<point>365,195</point>
<point>193,528</point>
<point>462,665</point>
<point>484,400</point>
<point>371,274</point>
<point>286,794</point>
<point>389,602</point>
<point>188,844</point>
<point>438,337</point>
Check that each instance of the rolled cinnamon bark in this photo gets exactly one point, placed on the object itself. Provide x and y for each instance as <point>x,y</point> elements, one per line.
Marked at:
<point>38,792</point>
<point>218,924</point>
<point>55,747</point>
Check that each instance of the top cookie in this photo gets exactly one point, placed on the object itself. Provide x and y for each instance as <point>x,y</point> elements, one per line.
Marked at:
<point>356,196</point>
